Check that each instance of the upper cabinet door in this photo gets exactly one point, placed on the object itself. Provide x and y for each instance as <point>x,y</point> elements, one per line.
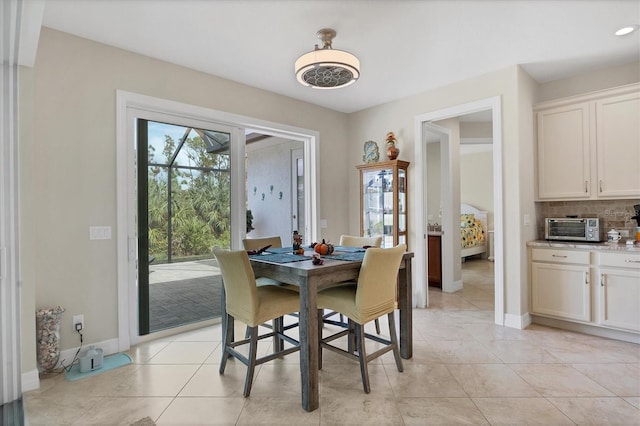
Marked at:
<point>563,152</point>
<point>618,145</point>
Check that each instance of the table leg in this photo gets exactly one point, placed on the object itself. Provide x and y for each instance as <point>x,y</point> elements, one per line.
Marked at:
<point>405,305</point>
<point>309,345</point>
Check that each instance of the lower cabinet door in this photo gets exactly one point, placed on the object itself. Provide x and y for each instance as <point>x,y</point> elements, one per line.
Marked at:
<point>619,304</point>
<point>561,291</point>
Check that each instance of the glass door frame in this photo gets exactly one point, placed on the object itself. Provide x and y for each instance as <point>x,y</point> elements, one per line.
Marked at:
<point>129,107</point>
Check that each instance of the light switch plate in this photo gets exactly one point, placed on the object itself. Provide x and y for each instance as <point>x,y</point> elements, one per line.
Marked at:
<point>99,232</point>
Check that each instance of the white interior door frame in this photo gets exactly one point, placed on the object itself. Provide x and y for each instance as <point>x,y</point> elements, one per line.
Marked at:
<point>128,106</point>
<point>296,155</point>
<point>420,213</point>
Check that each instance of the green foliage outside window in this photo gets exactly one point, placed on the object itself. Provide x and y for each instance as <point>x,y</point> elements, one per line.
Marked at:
<point>200,200</point>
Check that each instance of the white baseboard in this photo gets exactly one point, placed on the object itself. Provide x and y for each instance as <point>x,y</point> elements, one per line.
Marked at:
<point>455,286</point>
<point>627,336</point>
<point>31,379</point>
<point>517,321</point>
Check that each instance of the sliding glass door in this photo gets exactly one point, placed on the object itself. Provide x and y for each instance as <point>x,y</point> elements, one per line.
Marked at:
<point>184,198</point>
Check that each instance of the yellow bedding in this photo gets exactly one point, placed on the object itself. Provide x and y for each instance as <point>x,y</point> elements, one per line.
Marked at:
<point>471,231</point>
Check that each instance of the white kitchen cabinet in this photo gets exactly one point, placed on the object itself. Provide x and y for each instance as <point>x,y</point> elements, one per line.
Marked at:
<point>560,284</point>
<point>618,146</point>
<point>619,290</point>
<point>588,146</point>
<point>564,165</point>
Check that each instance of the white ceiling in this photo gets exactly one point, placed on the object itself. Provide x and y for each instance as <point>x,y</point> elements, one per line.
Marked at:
<point>405,47</point>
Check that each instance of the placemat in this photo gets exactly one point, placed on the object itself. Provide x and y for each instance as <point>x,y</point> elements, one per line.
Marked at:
<point>350,257</point>
<point>280,257</point>
<point>288,250</point>
<point>349,249</point>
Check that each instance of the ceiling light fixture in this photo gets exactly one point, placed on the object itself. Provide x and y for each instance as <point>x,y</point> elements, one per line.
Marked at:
<point>326,67</point>
<point>627,29</point>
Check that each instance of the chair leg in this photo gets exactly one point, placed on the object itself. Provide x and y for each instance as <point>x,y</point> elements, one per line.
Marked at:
<point>227,338</point>
<point>278,327</point>
<point>394,341</point>
<point>253,349</point>
<point>362,355</point>
<point>351,337</point>
<point>377,322</point>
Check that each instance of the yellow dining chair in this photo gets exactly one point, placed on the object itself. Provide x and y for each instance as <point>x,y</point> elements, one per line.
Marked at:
<point>373,296</point>
<point>354,241</point>
<point>257,244</point>
<point>274,242</point>
<point>252,305</point>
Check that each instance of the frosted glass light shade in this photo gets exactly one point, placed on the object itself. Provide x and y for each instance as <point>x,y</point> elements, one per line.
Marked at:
<point>327,69</point>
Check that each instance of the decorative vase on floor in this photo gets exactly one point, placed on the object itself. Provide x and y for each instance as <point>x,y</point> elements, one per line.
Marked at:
<point>48,338</point>
<point>392,150</point>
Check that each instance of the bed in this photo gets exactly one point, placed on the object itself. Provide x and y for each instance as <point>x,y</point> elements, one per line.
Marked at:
<point>473,231</point>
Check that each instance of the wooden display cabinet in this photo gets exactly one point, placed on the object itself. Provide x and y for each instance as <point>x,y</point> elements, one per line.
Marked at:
<point>383,201</point>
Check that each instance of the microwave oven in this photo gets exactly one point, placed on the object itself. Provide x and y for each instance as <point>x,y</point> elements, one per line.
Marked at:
<point>572,229</point>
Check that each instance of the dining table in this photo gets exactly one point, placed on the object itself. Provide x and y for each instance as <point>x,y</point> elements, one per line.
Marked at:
<point>342,265</point>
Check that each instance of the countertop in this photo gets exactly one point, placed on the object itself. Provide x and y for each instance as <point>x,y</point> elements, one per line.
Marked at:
<point>621,246</point>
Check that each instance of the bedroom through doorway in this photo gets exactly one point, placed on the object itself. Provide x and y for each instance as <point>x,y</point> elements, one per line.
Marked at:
<point>461,148</point>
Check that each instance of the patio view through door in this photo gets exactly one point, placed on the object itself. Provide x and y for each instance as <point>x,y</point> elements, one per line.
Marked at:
<point>184,197</point>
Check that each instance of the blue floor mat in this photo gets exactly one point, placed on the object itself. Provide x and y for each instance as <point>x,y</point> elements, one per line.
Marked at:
<point>108,363</point>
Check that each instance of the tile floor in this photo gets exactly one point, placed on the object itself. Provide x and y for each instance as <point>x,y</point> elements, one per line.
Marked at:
<point>465,370</point>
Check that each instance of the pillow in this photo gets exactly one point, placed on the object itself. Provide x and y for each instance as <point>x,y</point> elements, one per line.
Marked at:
<point>467,220</point>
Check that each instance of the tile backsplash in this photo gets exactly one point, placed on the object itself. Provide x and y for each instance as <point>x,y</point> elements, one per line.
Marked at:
<point>612,213</point>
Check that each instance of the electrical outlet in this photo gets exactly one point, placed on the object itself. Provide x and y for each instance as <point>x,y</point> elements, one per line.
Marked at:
<point>78,319</point>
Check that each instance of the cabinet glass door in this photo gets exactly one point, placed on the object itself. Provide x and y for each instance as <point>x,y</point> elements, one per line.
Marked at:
<point>384,201</point>
<point>402,206</point>
<point>378,205</point>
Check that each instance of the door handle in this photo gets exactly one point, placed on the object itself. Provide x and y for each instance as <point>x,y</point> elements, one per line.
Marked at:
<point>586,278</point>
<point>586,186</point>
<point>600,185</point>
<point>602,280</point>
<point>557,255</point>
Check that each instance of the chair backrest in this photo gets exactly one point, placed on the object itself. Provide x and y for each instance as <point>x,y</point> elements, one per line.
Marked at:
<point>239,284</point>
<point>258,243</point>
<point>376,291</point>
<point>353,241</point>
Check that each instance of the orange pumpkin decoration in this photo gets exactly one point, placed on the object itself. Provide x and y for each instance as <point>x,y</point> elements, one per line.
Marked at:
<point>300,250</point>
<point>324,248</point>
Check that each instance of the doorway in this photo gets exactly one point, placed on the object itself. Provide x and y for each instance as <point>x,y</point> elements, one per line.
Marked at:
<point>425,127</point>
<point>275,184</point>
<point>130,108</point>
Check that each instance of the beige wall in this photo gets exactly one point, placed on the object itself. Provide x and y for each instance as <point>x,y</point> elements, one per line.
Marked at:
<point>398,116</point>
<point>434,189</point>
<point>70,167</point>
<point>589,82</point>
<point>527,147</point>
<point>28,238</point>
<point>476,182</point>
